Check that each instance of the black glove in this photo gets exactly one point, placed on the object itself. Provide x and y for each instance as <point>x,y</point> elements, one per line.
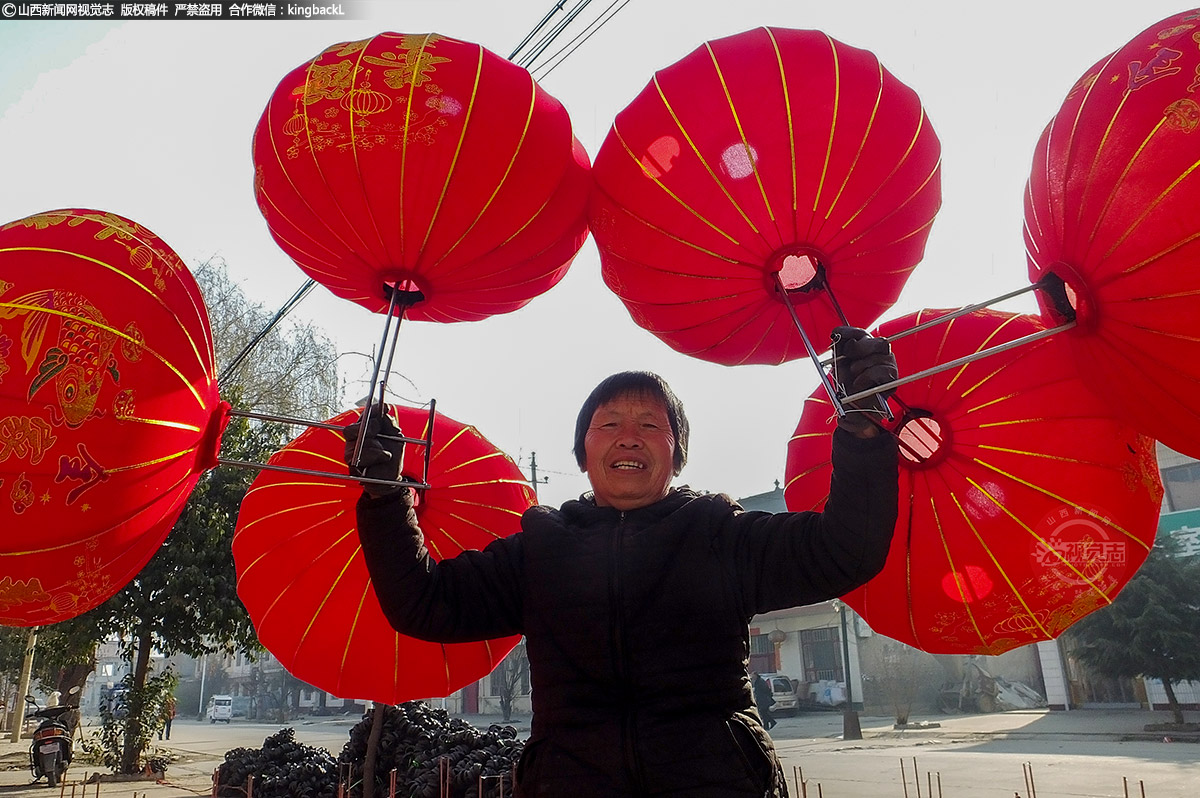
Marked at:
<point>861,363</point>
<point>382,458</point>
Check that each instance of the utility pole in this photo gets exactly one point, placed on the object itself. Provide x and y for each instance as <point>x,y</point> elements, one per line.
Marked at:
<point>18,712</point>
<point>533,469</point>
<point>203,675</point>
<point>851,729</point>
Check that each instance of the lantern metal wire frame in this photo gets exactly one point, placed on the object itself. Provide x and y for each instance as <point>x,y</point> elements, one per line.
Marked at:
<point>1050,284</point>
<point>400,298</point>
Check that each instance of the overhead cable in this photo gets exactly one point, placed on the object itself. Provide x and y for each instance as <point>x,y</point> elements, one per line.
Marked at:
<point>541,72</point>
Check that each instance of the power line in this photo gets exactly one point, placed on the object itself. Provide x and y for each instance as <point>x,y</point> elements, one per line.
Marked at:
<point>557,7</point>
<point>529,58</point>
<point>301,292</point>
<point>599,22</point>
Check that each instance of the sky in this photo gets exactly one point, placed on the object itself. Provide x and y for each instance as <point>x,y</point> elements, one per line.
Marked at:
<point>153,121</point>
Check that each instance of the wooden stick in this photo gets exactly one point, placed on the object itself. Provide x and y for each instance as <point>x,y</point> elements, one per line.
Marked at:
<point>1125,786</point>
<point>1142,784</point>
<point>916,777</point>
<point>903,777</point>
<point>939,775</point>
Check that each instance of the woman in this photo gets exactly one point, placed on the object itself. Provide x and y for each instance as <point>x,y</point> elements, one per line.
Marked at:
<point>635,599</point>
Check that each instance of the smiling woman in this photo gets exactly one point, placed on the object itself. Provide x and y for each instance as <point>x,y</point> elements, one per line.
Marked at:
<point>636,589</point>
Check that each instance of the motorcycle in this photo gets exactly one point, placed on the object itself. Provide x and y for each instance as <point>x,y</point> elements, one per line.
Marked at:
<point>52,746</point>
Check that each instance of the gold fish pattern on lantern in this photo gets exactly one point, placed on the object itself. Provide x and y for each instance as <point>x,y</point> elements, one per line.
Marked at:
<point>81,358</point>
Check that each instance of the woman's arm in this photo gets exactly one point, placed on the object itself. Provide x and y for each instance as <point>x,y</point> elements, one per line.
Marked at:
<point>473,596</point>
<point>790,559</point>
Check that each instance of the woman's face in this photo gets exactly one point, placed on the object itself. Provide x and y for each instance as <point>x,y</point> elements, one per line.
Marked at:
<point>630,452</point>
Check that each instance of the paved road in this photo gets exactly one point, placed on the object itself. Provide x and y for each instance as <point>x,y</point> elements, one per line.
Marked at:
<point>1068,755</point>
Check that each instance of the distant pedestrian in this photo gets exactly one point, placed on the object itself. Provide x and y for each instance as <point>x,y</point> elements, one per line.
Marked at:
<point>168,715</point>
<point>765,700</point>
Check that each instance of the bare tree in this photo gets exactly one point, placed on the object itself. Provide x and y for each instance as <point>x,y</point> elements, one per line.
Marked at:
<point>511,680</point>
<point>292,371</point>
<point>895,669</point>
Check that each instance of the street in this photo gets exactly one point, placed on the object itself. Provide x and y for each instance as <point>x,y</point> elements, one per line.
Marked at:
<point>1077,754</point>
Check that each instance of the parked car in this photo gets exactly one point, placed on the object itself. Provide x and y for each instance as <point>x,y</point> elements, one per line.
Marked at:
<point>115,700</point>
<point>220,708</point>
<point>783,690</point>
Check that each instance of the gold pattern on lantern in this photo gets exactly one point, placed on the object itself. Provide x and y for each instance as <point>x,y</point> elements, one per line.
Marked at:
<point>124,406</point>
<point>364,100</point>
<point>82,356</point>
<point>1175,31</point>
<point>21,494</point>
<point>348,48</point>
<point>131,347</point>
<point>90,584</point>
<point>1142,473</point>
<point>25,437</point>
<point>295,125</point>
<point>328,82</point>
<point>415,41</point>
<point>411,66</point>
<point>142,258</point>
<point>16,592</point>
<point>1183,115</point>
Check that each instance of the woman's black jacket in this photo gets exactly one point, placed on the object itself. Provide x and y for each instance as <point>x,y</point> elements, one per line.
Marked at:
<point>636,623</point>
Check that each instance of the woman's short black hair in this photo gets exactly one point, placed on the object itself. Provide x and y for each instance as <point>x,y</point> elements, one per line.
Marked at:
<point>634,383</point>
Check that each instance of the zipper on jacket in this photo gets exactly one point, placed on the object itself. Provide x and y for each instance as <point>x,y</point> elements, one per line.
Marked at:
<point>620,665</point>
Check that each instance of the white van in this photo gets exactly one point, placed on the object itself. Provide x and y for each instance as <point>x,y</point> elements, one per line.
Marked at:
<point>783,691</point>
<point>220,708</point>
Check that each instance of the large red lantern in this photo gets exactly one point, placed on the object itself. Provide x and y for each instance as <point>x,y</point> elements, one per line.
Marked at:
<point>303,579</point>
<point>1111,224</point>
<point>109,410</point>
<point>773,159</point>
<point>1024,504</point>
<point>424,162</point>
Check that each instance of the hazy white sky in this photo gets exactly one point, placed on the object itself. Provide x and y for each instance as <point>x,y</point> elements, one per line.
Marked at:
<point>153,120</point>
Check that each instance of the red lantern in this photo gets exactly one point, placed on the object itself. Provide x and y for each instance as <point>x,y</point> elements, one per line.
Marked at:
<point>109,411</point>
<point>303,579</point>
<point>1110,219</point>
<point>771,155</point>
<point>1023,504</point>
<point>425,162</point>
